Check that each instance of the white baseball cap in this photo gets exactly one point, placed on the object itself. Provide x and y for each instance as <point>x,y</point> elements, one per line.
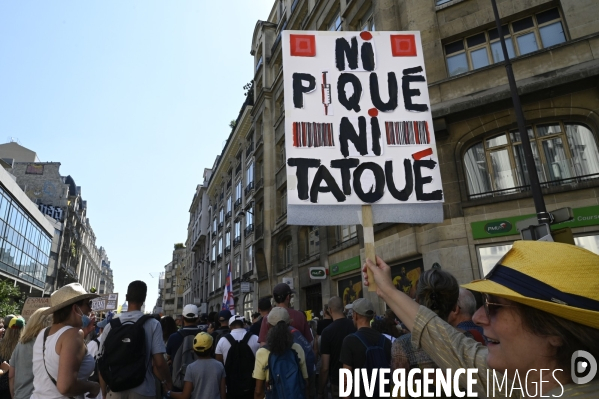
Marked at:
<point>236,318</point>
<point>190,311</point>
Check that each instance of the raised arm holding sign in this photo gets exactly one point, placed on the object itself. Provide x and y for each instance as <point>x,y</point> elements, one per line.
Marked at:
<point>358,130</point>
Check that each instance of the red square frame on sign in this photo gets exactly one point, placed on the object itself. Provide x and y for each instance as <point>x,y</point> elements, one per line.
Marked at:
<point>302,45</point>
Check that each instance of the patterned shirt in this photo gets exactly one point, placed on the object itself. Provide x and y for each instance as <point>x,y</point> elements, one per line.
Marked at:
<point>433,335</point>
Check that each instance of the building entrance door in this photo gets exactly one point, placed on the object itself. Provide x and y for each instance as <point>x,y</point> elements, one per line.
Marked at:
<point>314,299</point>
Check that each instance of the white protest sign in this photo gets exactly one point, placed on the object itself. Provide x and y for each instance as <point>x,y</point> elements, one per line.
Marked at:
<point>105,302</point>
<point>32,304</point>
<point>358,128</point>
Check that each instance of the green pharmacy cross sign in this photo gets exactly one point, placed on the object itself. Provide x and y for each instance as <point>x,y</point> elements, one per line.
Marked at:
<point>587,216</point>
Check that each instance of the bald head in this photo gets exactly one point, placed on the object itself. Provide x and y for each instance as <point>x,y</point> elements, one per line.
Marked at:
<point>335,305</point>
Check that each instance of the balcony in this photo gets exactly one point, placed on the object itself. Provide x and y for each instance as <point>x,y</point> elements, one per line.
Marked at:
<point>237,203</point>
<point>212,263</point>
<point>248,230</point>
<point>236,241</point>
<point>259,230</point>
<point>260,141</point>
<point>249,150</point>
<point>238,169</point>
<point>227,250</point>
<point>259,183</point>
<point>228,215</point>
<point>249,188</point>
<point>219,257</point>
<point>220,225</point>
<point>221,196</point>
<point>229,184</point>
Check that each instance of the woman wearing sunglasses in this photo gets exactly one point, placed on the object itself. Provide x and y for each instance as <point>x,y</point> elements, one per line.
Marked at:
<point>61,364</point>
<point>541,306</point>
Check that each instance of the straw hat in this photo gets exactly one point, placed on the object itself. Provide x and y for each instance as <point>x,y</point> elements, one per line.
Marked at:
<point>67,295</point>
<point>560,279</point>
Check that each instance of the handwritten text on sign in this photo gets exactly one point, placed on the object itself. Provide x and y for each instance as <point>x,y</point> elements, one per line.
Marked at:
<point>358,126</point>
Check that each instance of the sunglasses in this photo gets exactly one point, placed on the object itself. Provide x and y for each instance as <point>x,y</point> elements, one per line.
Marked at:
<point>491,307</point>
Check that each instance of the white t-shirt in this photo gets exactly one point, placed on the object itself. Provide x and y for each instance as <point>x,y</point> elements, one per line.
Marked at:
<point>223,346</point>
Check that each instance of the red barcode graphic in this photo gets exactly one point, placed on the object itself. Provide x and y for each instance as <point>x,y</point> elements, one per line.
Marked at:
<point>313,134</point>
<point>406,133</point>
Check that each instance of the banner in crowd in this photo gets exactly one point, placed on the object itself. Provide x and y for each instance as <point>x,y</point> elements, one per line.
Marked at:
<point>105,302</point>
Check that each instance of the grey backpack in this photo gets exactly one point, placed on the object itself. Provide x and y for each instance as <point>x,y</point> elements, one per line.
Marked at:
<point>183,358</point>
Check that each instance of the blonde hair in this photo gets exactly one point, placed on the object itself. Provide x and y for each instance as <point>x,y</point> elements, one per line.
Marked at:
<point>36,323</point>
<point>8,342</point>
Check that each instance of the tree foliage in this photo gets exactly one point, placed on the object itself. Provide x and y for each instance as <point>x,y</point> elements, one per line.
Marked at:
<point>11,298</point>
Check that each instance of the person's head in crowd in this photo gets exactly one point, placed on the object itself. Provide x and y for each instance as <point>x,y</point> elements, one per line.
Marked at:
<point>223,317</point>
<point>169,327</point>
<point>236,321</point>
<point>326,314</point>
<point>335,307</point>
<point>190,315</point>
<point>136,295</point>
<point>179,320</point>
<point>71,305</point>
<point>279,338</point>
<point>438,290</point>
<point>13,326</point>
<point>264,306</point>
<point>464,309</point>
<point>204,318</point>
<point>36,323</point>
<point>213,326</point>
<point>212,317</point>
<point>362,312</point>
<point>202,345</point>
<point>255,317</point>
<point>540,306</point>
<point>380,325</point>
<point>282,294</point>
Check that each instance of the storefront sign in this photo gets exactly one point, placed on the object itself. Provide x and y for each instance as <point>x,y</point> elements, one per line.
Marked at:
<point>346,266</point>
<point>245,287</point>
<point>32,304</point>
<point>318,273</point>
<point>587,216</point>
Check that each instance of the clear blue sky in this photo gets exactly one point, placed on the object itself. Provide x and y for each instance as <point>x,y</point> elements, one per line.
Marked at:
<point>134,99</point>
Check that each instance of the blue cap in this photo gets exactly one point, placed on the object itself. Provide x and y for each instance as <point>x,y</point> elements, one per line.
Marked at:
<point>224,315</point>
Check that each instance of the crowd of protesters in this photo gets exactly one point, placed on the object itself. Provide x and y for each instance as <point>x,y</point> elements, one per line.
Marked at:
<point>536,308</point>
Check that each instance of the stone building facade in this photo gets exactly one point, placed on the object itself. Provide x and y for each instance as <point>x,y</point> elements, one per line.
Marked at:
<point>554,48</point>
<point>74,255</point>
<point>175,282</point>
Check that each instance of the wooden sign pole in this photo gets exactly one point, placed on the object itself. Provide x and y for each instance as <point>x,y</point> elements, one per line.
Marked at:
<point>368,228</point>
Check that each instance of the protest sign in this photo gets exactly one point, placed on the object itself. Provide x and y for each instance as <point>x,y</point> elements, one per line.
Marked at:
<point>359,137</point>
<point>105,302</point>
<point>358,129</point>
<point>32,304</point>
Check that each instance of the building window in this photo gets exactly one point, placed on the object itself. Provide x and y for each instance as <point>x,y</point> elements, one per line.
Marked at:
<point>248,306</point>
<point>250,174</point>
<point>249,260</point>
<point>238,191</point>
<point>524,36</point>
<point>214,224</point>
<point>220,246</point>
<point>336,23</point>
<point>590,243</point>
<point>313,241</point>
<point>283,202</point>
<point>219,277</point>
<point>213,280</point>
<point>238,229</point>
<point>288,252</point>
<point>249,217</point>
<point>367,22</point>
<point>221,215</point>
<point>237,266</point>
<point>229,204</point>
<point>348,232</point>
<point>563,152</point>
<point>228,239</point>
<point>489,256</point>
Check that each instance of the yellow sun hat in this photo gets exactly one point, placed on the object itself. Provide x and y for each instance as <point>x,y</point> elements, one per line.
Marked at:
<point>561,279</point>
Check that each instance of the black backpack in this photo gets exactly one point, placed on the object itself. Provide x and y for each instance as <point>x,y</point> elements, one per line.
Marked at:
<point>123,362</point>
<point>239,366</point>
<point>376,358</point>
<point>94,377</point>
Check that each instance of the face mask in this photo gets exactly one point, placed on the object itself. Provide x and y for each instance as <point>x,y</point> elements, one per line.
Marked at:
<point>84,319</point>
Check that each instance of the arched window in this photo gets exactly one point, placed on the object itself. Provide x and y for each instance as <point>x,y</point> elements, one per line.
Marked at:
<point>563,153</point>
<point>248,306</point>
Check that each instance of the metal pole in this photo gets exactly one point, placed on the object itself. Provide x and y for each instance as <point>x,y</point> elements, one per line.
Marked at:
<point>535,185</point>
